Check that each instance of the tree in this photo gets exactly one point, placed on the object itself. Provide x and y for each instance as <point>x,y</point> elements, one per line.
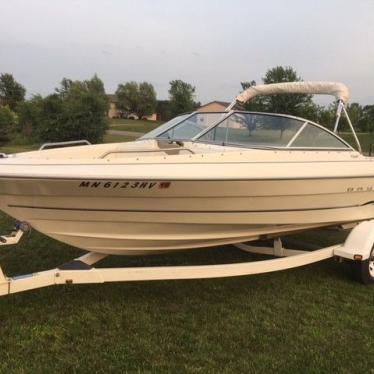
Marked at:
<point>295,104</point>
<point>357,116</point>
<point>368,113</point>
<point>355,112</point>
<point>77,110</point>
<point>30,116</point>
<point>362,118</point>
<point>128,96</point>
<point>181,97</point>
<point>84,111</point>
<point>138,98</point>
<point>147,100</point>
<point>11,92</point>
<point>325,116</point>
<point>7,122</point>
<point>163,110</point>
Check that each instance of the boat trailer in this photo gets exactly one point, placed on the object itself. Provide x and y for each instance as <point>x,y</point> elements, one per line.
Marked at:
<point>358,248</point>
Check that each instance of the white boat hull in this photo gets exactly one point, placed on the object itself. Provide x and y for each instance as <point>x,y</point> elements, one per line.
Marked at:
<point>176,215</point>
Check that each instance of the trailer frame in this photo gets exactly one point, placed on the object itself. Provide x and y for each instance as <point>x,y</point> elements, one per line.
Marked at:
<point>358,248</point>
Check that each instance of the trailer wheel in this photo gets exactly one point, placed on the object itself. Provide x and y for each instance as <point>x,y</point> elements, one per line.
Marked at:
<point>363,271</point>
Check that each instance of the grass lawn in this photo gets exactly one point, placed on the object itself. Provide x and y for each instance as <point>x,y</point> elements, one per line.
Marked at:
<point>18,148</point>
<point>312,319</point>
<point>133,125</point>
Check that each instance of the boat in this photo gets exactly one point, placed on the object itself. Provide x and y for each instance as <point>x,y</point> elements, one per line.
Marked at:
<point>199,180</point>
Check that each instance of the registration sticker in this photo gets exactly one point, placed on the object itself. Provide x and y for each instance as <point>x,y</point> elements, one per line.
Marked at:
<point>139,185</point>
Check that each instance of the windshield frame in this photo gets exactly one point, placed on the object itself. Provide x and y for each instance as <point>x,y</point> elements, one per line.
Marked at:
<point>227,114</point>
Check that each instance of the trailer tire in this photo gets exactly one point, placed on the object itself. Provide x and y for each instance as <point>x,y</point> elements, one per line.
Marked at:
<point>363,271</point>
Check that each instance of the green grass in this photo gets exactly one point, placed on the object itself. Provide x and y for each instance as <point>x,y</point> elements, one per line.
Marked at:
<point>311,319</point>
<point>133,125</point>
<point>18,148</point>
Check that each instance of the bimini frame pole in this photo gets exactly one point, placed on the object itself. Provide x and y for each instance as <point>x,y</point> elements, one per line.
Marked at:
<point>341,108</point>
<point>338,115</point>
<point>352,129</point>
<point>231,106</point>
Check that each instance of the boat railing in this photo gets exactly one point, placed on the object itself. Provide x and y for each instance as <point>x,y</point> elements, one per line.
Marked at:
<point>169,151</point>
<point>63,144</point>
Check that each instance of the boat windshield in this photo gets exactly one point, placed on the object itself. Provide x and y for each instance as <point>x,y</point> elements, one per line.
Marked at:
<point>246,129</point>
<point>274,131</point>
<point>185,127</point>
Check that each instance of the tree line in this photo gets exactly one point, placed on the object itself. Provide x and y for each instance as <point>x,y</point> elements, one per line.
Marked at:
<point>78,109</point>
<point>140,99</point>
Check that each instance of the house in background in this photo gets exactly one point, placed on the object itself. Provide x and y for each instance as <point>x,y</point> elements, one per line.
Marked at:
<point>113,111</point>
<point>214,106</point>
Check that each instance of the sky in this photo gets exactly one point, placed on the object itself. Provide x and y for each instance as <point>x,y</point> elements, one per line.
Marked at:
<point>214,45</point>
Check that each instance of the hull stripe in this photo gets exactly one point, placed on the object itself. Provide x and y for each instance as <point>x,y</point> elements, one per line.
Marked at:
<point>176,211</point>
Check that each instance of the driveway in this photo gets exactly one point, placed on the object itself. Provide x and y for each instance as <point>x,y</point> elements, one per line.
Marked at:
<point>126,133</point>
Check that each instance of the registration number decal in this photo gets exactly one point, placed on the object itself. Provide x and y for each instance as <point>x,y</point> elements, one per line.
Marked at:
<point>140,185</point>
<point>360,189</point>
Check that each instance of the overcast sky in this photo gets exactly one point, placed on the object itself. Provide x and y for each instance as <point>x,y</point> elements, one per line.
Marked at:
<point>213,44</point>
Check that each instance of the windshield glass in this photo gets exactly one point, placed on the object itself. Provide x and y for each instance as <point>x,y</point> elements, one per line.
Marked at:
<point>254,129</point>
<point>315,137</point>
<point>187,128</point>
<point>248,130</point>
<point>267,130</point>
<point>161,129</point>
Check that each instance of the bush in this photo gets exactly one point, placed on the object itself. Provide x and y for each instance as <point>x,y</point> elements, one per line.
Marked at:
<point>78,110</point>
<point>29,117</point>
<point>7,122</point>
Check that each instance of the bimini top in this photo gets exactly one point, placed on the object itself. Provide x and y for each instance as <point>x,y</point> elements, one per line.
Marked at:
<point>339,90</point>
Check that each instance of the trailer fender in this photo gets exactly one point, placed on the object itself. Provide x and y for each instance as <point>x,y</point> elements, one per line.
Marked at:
<point>359,242</point>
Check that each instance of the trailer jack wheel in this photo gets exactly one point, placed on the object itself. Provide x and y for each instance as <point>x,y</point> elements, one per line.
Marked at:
<point>363,271</point>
